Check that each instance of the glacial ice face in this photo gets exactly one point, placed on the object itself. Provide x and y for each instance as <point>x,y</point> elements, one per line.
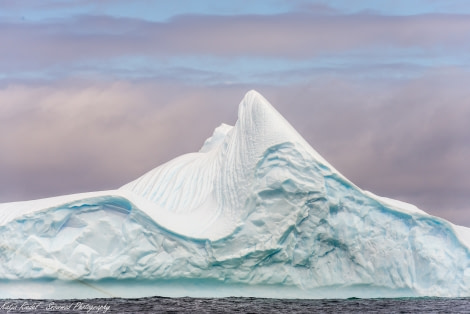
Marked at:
<point>255,212</point>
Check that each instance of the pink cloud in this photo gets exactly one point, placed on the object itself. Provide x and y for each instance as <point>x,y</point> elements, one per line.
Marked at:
<point>293,35</point>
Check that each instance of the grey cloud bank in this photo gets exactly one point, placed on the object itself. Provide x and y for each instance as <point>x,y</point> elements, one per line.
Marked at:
<point>293,35</point>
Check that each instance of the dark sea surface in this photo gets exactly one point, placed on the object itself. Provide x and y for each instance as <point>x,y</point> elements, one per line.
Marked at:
<point>237,305</point>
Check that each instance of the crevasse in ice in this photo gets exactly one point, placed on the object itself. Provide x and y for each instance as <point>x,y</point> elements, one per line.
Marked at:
<point>256,212</point>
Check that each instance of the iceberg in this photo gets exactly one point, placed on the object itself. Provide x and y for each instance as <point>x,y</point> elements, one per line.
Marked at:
<point>255,212</point>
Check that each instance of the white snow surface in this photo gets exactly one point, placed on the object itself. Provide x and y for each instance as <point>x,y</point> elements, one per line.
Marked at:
<point>256,212</point>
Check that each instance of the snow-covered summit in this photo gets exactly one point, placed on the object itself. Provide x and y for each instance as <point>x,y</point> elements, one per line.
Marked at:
<point>255,212</point>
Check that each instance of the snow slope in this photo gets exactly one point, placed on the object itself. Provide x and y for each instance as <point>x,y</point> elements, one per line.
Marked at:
<point>256,212</point>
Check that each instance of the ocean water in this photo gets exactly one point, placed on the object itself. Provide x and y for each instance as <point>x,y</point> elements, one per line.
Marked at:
<point>238,305</point>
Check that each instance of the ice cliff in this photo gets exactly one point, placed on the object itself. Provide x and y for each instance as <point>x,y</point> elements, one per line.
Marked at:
<point>256,212</point>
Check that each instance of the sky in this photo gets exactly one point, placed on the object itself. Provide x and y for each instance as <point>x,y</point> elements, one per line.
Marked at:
<point>95,93</point>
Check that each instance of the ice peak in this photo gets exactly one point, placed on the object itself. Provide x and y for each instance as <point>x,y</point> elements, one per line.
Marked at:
<point>217,138</point>
<point>253,95</point>
<point>254,104</point>
<point>257,118</point>
<point>262,125</point>
<point>256,111</point>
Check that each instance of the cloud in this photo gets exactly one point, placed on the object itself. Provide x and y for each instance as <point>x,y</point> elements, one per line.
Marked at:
<point>291,35</point>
